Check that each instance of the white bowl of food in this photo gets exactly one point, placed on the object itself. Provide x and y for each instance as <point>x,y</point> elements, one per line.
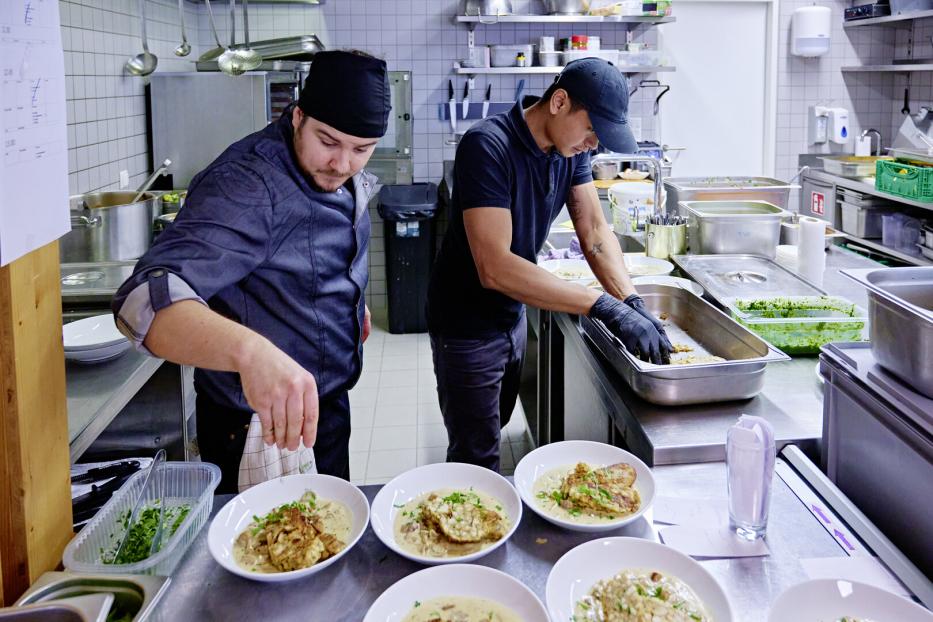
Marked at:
<point>446,513</point>
<point>641,265</point>
<point>634,576</point>
<point>584,485</point>
<point>455,589</point>
<point>835,599</point>
<point>672,281</point>
<point>238,537</point>
<point>576,270</point>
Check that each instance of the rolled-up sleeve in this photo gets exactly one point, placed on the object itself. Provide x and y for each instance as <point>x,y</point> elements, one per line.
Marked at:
<point>221,236</point>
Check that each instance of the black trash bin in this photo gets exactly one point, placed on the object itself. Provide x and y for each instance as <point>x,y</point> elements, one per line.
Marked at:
<point>408,212</point>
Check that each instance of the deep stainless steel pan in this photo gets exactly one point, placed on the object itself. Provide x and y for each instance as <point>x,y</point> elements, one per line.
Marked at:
<point>900,320</point>
<point>740,376</point>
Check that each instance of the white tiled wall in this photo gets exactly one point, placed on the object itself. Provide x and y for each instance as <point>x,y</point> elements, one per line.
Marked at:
<point>106,107</point>
<point>107,123</point>
<point>874,100</point>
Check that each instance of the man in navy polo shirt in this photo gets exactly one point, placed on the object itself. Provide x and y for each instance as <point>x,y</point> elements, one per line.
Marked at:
<point>513,174</point>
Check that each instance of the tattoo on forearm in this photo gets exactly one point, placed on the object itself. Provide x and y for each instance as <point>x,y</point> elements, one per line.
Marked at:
<point>597,248</point>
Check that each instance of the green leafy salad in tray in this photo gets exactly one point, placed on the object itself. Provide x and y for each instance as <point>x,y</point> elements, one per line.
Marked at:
<point>142,532</point>
<point>800,324</point>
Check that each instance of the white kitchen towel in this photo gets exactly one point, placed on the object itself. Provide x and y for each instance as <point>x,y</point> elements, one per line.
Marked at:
<point>261,463</point>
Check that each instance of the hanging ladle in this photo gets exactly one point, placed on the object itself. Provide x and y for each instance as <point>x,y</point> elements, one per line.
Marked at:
<point>185,48</point>
<point>226,61</point>
<point>145,62</point>
<point>247,57</point>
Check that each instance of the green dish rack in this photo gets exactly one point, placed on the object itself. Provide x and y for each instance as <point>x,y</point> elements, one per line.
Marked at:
<point>905,180</point>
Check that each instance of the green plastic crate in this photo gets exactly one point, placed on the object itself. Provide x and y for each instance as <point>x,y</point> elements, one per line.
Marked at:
<point>905,180</point>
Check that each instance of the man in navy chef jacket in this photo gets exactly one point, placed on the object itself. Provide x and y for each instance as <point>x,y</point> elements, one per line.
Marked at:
<point>259,282</point>
<point>512,175</point>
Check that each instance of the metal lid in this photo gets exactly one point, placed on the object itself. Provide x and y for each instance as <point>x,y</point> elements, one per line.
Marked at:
<point>731,276</point>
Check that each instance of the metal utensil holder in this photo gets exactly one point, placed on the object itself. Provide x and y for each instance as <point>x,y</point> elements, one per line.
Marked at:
<point>663,241</point>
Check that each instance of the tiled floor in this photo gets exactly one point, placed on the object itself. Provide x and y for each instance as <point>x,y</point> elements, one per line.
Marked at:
<point>397,422</point>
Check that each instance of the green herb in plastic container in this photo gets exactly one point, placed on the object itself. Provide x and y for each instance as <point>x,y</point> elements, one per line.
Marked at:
<point>801,324</point>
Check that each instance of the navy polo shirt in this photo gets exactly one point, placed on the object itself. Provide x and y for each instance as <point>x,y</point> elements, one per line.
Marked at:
<point>498,164</point>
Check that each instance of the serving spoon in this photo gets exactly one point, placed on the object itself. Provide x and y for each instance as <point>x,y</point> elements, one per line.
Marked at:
<point>247,57</point>
<point>145,62</point>
<point>184,48</point>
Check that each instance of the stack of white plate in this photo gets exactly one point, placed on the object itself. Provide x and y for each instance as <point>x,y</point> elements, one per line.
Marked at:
<point>93,340</point>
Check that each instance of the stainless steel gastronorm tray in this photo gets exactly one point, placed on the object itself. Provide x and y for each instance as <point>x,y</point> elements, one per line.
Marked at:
<point>139,593</point>
<point>900,316</point>
<point>740,376</point>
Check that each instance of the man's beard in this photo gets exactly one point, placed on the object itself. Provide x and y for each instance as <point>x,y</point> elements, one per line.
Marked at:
<point>329,181</point>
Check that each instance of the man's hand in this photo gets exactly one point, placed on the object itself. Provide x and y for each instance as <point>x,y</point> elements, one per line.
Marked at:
<point>636,302</point>
<point>283,394</point>
<point>367,323</point>
<point>637,334</point>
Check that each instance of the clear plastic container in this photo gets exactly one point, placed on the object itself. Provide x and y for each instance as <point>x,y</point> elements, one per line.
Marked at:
<point>909,235</point>
<point>891,229</point>
<point>642,58</point>
<point>191,483</point>
<point>800,324</point>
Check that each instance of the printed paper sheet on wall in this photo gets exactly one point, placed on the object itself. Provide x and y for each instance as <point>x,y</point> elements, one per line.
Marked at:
<point>33,130</point>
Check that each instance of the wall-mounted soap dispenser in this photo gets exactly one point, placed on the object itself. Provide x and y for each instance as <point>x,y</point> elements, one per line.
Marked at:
<point>838,125</point>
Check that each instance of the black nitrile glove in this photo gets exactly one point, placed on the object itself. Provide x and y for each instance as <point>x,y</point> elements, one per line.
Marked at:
<point>637,334</point>
<point>637,302</point>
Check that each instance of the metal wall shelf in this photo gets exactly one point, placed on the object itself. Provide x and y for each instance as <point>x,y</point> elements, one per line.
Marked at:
<point>875,245</point>
<point>491,20</point>
<point>470,71</point>
<point>887,68</point>
<point>887,20</point>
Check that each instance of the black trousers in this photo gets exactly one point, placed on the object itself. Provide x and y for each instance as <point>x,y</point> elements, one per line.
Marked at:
<point>477,385</point>
<point>222,437</point>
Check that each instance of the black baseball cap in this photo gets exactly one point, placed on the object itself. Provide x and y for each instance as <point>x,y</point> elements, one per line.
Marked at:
<point>602,89</point>
<point>348,91</point>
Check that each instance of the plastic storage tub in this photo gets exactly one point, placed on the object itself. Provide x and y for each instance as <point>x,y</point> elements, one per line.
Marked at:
<point>800,324</point>
<point>191,483</point>
<point>863,222</point>
<point>507,55</point>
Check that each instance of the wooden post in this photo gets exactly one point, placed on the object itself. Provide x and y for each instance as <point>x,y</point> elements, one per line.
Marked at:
<point>35,493</point>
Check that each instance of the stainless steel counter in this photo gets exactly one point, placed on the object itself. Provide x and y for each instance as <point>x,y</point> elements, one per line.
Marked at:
<point>202,590</point>
<point>584,389</point>
<point>97,393</point>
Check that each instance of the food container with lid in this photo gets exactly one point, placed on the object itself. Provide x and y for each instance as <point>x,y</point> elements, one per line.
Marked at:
<point>549,58</point>
<point>507,55</point>
<point>718,227</point>
<point>800,324</point>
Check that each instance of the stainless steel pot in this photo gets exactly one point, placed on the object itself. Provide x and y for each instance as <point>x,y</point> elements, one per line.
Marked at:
<point>487,7</point>
<point>105,226</point>
<point>605,169</point>
<point>564,7</point>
